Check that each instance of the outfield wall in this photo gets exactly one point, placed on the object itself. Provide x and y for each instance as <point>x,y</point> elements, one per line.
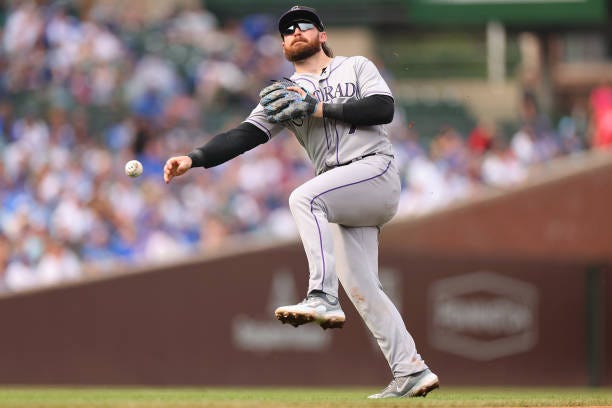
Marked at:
<point>484,305</point>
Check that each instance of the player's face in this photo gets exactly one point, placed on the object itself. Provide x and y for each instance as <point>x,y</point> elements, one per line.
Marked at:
<point>301,40</point>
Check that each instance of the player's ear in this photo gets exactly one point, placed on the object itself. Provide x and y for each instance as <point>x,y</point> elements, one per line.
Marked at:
<point>323,36</point>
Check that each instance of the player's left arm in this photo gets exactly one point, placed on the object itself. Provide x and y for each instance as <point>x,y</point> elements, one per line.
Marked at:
<point>369,111</point>
<point>372,110</point>
<point>376,106</point>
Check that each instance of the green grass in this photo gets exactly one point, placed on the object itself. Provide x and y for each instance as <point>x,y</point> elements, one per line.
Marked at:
<point>296,397</point>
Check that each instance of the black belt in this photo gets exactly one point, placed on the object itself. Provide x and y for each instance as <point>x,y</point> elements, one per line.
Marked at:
<point>359,158</point>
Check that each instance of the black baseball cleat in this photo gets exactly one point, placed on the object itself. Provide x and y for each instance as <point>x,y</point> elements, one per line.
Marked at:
<point>414,385</point>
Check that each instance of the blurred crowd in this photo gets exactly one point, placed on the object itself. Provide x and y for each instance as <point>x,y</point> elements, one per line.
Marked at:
<point>84,91</point>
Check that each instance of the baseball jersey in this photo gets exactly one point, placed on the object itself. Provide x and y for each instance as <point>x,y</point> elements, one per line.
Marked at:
<point>331,142</point>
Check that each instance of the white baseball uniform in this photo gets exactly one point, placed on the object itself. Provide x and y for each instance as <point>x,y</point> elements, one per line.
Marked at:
<point>340,211</point>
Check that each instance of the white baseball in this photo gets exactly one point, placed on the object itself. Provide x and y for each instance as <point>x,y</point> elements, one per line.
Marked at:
<point>133,168</point>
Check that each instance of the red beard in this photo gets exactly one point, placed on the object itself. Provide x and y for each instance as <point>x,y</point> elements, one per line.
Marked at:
<point>302,49</point>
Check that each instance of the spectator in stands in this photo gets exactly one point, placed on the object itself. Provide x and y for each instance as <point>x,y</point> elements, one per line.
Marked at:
<point>538,126</point>
<point>481,137</point>
<point>57,264</point>
<point>500,167</point>
<point>601,116</point>
<point>23,28</point>
<point>570,139</point>
<point>524,146</point>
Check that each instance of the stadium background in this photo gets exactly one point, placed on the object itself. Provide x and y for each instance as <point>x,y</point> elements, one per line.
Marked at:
<point>500,259</point>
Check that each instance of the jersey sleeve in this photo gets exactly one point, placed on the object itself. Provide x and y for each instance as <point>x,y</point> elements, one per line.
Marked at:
<point>258,119</point>
<point>369,80</point>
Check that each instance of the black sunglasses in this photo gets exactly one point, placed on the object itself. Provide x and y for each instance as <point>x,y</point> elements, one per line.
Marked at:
<point>303,26</point>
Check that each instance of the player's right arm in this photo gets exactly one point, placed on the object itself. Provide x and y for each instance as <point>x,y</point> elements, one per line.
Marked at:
<point>255,130</point>
<point>221,148</point>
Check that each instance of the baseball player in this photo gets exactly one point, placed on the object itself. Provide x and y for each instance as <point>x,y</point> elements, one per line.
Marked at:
<point>336,107</point>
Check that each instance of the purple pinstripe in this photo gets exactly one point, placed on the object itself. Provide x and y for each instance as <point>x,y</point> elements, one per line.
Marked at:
<point>335,128</point>
<point>325,129</point>
<point>317,221</point>
<point>324,123</point>
<point>337,142</point>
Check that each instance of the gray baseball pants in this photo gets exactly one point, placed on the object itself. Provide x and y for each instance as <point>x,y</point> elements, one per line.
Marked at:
<point>338,215</point>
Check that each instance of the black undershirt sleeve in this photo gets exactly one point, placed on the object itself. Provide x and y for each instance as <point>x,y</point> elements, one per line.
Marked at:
<point>369,111</point>
<point>227,145</point>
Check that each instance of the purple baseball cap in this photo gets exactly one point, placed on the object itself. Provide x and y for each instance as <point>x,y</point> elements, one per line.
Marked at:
<point>296,13</point>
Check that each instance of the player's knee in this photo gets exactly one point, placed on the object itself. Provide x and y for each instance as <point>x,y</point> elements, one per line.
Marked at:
<point>298,198</point>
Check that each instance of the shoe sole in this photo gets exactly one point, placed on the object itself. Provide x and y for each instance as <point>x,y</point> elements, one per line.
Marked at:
<point>427,385</point>
<point>294,319</point>
<point>331,323</point>
<point>297,319</point>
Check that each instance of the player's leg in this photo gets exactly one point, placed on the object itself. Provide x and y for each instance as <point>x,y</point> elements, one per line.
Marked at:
<point>363,193</point>
<point>356,250</point>
<point>311,218</point>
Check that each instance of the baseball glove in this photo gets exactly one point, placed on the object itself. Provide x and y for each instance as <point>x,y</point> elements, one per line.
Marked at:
<point>281,104</point>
